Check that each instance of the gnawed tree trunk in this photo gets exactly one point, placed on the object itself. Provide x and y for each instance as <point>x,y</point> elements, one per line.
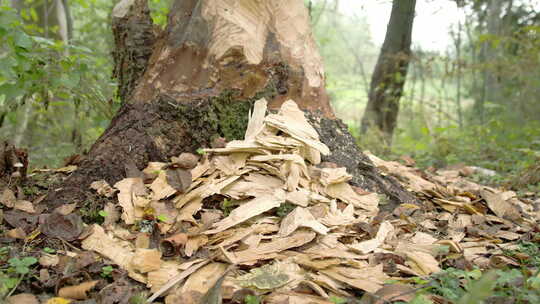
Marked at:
<point>215,58</point>
<point>390,72</point>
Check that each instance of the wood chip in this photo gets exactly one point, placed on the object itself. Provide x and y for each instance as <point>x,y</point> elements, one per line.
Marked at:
<point>248,210</point>
<point>300,217</point>
<point>386,229</point>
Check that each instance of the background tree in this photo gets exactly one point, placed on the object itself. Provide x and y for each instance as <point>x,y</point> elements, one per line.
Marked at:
<point>390,72</point>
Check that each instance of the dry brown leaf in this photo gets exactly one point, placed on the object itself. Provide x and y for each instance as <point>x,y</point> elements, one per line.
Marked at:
<point>369,284</point>
<point>423,263</point>
<point>499,206</point>
<point>248,210</point>
<point>300,217</point>
<point>390,293</point>
<point>146,260</point>
<point>77,292</point>
<point>423,238</point>
<point>129,187</point>
<point>48,260</point>
<point>294,298</point>
<point>316,264</point>
<point>118,251</point>
<point>23,298</point>
<point>179,179</point>
<point>111,215</point>
<point>66,209</point>
<point>161,188</point>
<point>16,233</point>
<point>386,229</point>
<point>25,206</point>
<point>103,188</point>
<point>8,198</point>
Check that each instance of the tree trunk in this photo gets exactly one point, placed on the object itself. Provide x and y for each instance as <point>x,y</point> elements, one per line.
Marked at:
<point>390,72</point>
<point>214,59</point>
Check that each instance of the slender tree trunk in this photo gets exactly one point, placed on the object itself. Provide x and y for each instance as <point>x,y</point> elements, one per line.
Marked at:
<point>458,75</point>
<point>390,71</point>
<point>214,59</point>
<point>493,29</point>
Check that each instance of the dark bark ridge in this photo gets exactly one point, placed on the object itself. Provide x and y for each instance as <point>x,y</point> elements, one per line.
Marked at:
<point>345,152</point>
<point>134,38</point>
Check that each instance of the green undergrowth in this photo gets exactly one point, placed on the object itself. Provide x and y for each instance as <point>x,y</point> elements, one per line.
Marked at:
<point>503,144</point>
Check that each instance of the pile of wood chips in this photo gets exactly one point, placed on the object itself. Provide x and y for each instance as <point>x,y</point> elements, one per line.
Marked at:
<point>294,228</point>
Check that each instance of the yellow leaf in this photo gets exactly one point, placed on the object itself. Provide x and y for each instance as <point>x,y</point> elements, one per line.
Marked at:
<point>58,300</point>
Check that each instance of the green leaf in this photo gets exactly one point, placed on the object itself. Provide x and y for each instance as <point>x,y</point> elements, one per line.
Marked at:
<point>162,218</point>
<point>103,213</point>
<point>23,40</point>
<point>480,290</point>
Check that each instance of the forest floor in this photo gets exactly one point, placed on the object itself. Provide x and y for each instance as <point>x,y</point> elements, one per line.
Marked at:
<point>263,220</point>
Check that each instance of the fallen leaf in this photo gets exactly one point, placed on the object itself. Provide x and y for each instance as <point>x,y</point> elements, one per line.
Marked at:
<point>8,198</point>
<point>58,300</point>
<point>25,206</point>
<point>179,179</point>
<point>423,263</point>
<point>390,293</point>
<point>499,206</point>
<point>65,209</point>
<point>66,227</point>
<point>130,187</point>
<point>48,260</point>
<point>103,188</point>
<point>146,260</point>
<point>23,298</point>
<point>16,233</point>
<point>77,292</point>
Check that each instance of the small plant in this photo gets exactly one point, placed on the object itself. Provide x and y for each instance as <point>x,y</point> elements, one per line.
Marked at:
<point>201,151</point>
<point>285,209</point>
<point>251,299</point>
<point>337,300</point>
<point>49,250</point>
<point>17,267</point>
<point>22,266</point>
<point>103,213</point>
<point>227,206</point>
<point>139,298</point>
<point>162,218</point>
<point>106,271</point>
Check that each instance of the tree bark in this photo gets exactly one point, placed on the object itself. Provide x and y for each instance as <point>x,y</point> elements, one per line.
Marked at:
<point>214,59</point>
<point>390,72</point>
